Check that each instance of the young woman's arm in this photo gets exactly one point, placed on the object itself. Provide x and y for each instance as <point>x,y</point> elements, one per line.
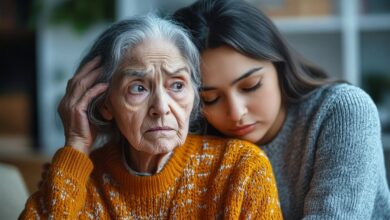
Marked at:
<point>348,168</point>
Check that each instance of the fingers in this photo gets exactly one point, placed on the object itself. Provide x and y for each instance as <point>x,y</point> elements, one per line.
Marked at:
<point>79,86</point>
<point>80,104</point>
<point>81,90</point>
<point>77,128</point>
<point>88,67</point>
<point>90,94</point>
<point>83,80</point>
<point>83,72</point>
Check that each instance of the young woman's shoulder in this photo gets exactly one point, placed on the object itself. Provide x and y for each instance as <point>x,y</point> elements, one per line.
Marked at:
<point>347,116</point>
<point>342,98</point>
<point>338,113</point>
<point>344,93</point>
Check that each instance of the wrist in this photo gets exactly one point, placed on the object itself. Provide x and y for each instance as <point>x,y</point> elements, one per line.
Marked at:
<point>81,149</point>
<point>79,146</point>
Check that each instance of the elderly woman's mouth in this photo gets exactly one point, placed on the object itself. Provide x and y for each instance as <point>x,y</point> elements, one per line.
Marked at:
<point>159,129</point>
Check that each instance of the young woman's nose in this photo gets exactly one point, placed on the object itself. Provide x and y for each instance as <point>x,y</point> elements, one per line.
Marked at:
<point>236,108</point>
<point>159,104</point>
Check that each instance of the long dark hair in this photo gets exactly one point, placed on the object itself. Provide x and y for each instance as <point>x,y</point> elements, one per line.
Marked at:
<point>234,23</point>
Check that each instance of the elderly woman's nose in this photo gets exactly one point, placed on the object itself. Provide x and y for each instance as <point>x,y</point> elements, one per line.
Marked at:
<point>159,105</point>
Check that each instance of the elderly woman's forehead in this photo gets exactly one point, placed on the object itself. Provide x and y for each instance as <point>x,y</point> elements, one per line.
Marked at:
<point>155,45</point>
<point>154,51</point>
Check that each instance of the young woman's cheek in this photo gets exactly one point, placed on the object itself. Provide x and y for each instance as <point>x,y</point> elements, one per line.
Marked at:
<point>215,117</point>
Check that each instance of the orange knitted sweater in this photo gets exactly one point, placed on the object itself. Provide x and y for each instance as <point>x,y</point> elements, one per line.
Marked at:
<point>206,178</point>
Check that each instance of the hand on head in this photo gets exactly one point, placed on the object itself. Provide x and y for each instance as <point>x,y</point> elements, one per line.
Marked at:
<point>80,91</point>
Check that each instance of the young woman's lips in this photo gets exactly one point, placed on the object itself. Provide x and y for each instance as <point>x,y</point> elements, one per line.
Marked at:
<point>243,130</point>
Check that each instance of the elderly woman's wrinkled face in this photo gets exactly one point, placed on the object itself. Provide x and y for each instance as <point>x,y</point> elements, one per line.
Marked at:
<point>151,97</point>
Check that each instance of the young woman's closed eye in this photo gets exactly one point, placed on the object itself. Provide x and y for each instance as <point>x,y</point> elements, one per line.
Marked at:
<point>252,86</point>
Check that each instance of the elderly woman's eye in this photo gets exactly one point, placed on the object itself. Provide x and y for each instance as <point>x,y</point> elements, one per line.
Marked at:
<point>177,86</point>
<point>137,89</point>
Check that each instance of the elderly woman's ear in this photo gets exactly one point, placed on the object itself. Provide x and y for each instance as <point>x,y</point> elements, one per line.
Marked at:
<point>105,110</point>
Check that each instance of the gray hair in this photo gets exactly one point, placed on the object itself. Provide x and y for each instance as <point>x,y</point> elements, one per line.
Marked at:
<point>120,38</point>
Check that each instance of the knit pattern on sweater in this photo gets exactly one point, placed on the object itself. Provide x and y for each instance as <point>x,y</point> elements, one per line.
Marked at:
<point>206,178</point>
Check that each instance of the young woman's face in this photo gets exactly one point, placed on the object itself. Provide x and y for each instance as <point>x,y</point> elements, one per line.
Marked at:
<point>241,96</point>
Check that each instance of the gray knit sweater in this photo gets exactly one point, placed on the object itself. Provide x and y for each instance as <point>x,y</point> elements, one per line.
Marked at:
<point>328,158</point>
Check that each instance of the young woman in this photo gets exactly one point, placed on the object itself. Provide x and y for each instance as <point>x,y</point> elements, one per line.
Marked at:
<point>323,137</point>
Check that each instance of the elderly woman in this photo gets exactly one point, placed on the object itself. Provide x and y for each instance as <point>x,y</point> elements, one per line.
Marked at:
<point>139,97</point>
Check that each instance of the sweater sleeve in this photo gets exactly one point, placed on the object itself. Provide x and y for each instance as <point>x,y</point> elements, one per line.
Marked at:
<point>261,194</point>
<point>348,161</point>
<point>63,193</point>
<point>254,194</point>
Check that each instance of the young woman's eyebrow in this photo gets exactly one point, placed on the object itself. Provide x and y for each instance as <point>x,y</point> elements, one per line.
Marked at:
<point>246,74</point>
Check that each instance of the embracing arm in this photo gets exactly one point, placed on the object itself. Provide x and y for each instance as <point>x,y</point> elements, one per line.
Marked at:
<point>348,160</point>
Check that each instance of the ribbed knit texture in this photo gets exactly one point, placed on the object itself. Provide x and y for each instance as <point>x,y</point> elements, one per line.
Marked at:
<point>206,178</point>
<point>328,158</point>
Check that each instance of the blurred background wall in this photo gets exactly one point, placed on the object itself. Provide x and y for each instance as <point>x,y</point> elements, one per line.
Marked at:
<point>42,41</point>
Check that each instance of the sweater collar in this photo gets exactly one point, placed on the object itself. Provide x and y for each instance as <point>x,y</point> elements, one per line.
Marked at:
<point>154,184</point>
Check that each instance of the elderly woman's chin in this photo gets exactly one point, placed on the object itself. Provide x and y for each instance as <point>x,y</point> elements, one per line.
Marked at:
<point>160,141</point>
